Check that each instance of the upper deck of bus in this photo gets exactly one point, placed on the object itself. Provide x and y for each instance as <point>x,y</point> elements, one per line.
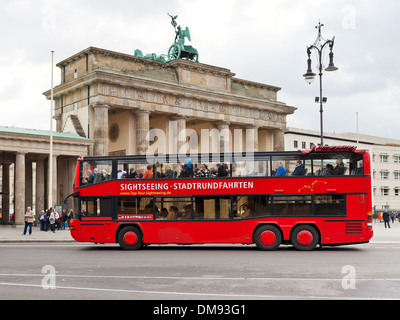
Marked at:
<point>238,165</point>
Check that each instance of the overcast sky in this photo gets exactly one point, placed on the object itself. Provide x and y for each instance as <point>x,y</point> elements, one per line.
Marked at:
<point>258,40</point>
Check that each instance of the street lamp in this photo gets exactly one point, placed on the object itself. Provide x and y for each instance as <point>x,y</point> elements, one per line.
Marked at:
<point>319,46</point>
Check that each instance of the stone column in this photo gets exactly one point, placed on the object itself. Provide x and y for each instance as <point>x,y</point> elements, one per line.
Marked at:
<point>28,184</point>
<point>224,137</point>
<point>19,194</point>
<point>100,129</point>
<point>142,129</point>
<point>6,193</point>
<point>279,140</point>
<point>54,187</point>
<point>40,192</point>
<point>177,136</point>
<point>252,139</point>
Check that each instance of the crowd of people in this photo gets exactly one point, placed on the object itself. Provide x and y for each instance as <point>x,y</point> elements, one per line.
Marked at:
<point>203,171</point>
<point>187,170</point>
<point>49,219</point>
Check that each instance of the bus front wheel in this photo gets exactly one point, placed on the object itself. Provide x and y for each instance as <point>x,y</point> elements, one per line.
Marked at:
<point>267,237</point>
<point>130,238</point>
<point>304,238</point>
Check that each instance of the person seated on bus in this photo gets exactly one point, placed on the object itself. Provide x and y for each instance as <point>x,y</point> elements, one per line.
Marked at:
<point>187,169</point>
<point>213,172</point>
<point>149,207</point>
<point>121,174</point>
<point>186,213</point>
<point>204,172</point>
<point>299,170</point>
<point>280,170</point>
<point>329,169</point>
<point>340,168</point>
<point>246,212</point>
<point>132,173</point>
<point>104,175</point>
<point>89,176</point>
<point>169,173</point>
<point>149,172</point>
<point>172,213</point>
<point>222,172</point>
<point>86,178</point>
<point>197,173</point>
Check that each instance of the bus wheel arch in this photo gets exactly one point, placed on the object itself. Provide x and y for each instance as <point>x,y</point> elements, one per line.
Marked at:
<point>268,237</point>
<point>305,237</point>
<point>129,236</point>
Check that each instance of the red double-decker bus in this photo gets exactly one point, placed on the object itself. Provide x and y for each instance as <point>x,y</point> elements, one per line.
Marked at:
<point>320,196</point>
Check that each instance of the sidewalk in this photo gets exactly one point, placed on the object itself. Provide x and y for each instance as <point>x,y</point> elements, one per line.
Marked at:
<point>10,234</point>
<point>15,234</point>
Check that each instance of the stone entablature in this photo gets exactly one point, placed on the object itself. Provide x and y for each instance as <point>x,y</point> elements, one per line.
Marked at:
<point>199,90</point>
<point>101,83</point>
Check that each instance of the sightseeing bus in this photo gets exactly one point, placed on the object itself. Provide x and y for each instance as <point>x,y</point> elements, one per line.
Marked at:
<point>259,198</point>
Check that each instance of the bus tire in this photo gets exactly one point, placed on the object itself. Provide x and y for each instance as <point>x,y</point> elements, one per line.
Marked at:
<point>267,238</point>
<point>130,238</point>
<point>304,238</point>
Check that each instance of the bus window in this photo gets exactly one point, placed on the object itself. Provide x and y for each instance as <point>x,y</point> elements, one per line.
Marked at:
<point>330,205</point>
<point>292,206</point>
<point>174,208</point>
<point>245,207</point>
<point>135,205</point>
<point>212,208</point>
<point>96,207</point>
<point>90,207</point>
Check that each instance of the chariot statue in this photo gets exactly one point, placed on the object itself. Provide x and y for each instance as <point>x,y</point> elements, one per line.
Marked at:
<point>178,49</point>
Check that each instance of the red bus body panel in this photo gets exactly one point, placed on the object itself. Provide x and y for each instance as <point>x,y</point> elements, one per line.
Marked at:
<point>333,230</point>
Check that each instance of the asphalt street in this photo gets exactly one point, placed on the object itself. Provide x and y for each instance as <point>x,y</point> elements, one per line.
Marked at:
<point>67,270</point>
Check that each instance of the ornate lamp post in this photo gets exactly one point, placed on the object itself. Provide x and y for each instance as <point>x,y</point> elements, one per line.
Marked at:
<point>319,46</point>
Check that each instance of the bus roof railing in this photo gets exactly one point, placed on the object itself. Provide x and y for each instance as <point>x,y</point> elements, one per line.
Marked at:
<point>228,157</point>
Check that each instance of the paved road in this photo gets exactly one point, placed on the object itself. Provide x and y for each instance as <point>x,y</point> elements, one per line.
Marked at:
<point>198,272</point>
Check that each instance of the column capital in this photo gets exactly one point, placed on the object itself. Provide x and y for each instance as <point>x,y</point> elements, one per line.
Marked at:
<point>223,123</point>
<point>252,126</point>
<point>178,117</point>
<point>142,111</point>
<point>100,105</point>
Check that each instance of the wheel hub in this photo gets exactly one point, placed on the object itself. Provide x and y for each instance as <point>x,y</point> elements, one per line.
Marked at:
<point>305,238</point>
<point>268,238</point>
<point>131,238</point>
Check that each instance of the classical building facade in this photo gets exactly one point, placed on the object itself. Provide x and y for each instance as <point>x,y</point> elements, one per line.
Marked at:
<point>24,160</point>
<point>116,99</point>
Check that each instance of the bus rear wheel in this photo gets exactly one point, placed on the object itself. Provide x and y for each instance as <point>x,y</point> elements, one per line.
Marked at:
<point>304,238</point>
<point>267,238</point>
<point>130,238</point>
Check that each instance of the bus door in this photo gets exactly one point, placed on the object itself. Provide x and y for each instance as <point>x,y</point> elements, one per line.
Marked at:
<point>96,218</point>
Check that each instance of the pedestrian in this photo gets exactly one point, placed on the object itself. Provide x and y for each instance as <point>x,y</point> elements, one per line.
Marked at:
<point>43,221</point>
<point>386,218</point>
<point>70,216</point>
<point>392,216</point>
<point>52,220</point>
<point>63,219</point>
<point>29,218</point>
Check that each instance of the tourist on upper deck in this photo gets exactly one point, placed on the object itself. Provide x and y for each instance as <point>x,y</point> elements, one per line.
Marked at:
<point>340,168</point>
<point>204,172</point>
<point>280,170</point>
<point>169,174</point>
<point>299,170</point>
<point>149,172</point>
